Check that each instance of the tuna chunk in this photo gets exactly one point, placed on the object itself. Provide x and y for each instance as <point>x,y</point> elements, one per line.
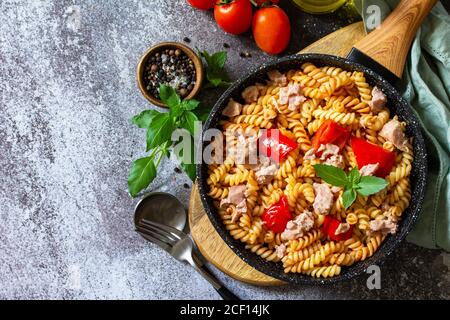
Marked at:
<point>324,198</point>
<point>369,169</point>
<point>241,207</point>
<point>330,153</point>
<point>266,171</point>
<point>386,226</point>
<point>236,201</point>
<point>336,161</point>
<point>286,95</point>
<point>283,96</point>
<point>232,109</point>
<point>378,101</point>
<point>342,228</point>
<point>277,77</point>
<point>293,89</point>
<point>328,150</point>
<point>295,101</point>
<point>235,196</point>
<point>250,94</point>
<point>392,132</point>
<point>280,250</point>
<point>297,227</point>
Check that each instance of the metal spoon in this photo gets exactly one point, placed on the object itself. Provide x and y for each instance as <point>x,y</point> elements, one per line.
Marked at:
<point>163,208</point>
<point>160,218</point>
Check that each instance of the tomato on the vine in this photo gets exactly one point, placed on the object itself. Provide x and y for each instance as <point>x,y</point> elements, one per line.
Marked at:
<point>202,4</point>
<point>271,29</point>
<point>233,16</point>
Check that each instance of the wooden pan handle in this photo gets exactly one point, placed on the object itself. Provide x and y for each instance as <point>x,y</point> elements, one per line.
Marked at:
<point>389,44</point>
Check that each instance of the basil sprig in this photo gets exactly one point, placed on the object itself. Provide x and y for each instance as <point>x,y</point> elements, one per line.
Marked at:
<point>160,126</point>
<point>353,183</point>
<point>215,72</point>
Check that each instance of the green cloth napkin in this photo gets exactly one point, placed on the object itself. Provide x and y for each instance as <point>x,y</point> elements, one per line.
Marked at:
<point>426,85</point>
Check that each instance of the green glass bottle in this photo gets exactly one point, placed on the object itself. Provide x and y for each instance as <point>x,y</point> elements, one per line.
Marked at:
<point>319,6</point>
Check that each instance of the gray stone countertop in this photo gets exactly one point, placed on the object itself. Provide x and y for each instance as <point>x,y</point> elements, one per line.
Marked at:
<point>67,93</point>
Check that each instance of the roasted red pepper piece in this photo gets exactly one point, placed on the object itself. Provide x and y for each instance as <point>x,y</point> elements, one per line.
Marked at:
<point>277,216</point>
<point>368,153</point>
<point>330,132</point>
<point>330,226</point>
<point>275,145</point>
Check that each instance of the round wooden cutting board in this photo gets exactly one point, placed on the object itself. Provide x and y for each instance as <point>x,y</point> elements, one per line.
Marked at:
<point>205,236</point>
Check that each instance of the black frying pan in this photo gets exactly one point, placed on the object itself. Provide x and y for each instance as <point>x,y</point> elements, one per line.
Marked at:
<point>381,56</point>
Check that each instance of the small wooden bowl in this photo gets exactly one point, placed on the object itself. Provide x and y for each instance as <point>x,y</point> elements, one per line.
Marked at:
<point>162,46</point>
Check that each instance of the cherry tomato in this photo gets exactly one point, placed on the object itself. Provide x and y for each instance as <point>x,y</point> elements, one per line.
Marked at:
<point>277,216</point>
<point>271,29</point>
<point>202,4</point>
<point>234,16</point>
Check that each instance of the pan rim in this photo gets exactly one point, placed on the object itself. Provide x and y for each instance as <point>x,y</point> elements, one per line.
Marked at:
<point>419,168</point>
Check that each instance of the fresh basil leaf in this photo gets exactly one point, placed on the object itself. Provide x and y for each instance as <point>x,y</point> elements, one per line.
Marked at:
<point>219,59</point>
<point>215,72</point>
<point>175,111</point>
<point>190,104</point>
<point>348,197</point>
<point>353,178</point>
<point>206,56</point>
<point>371,185</point>
<point>215,81</point>
<point>169,96</point>
<point>160,130</point>
<point>218,78</point>
<point>144,119</point>
<point>331,174</point>
<point>142,173</point>
<point>188,123</point>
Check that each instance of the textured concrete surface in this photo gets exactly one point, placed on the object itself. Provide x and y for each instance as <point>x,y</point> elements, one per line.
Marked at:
<point>67,92</point>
